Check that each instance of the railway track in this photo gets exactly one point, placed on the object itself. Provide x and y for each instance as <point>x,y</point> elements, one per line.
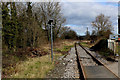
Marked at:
<point>90,67</point>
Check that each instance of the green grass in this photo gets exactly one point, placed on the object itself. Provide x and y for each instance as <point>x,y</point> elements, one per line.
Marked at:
<point>35,67</point>
<point>104,54</point>
<point>118,49</point>
<point>64,49</point>
<point>85,44</point>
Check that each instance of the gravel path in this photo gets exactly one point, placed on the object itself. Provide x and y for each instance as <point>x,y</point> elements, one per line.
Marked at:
<point>66,67</point>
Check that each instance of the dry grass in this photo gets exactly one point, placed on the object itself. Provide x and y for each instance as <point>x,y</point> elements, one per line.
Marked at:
<point>64,46</point>
<point>34,67</point>
<point>60,45</point>
<point>63,43</point>
<point>37,67</point>
<point>86,44</point>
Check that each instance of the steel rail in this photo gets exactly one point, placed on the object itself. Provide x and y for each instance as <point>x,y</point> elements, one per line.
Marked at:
<point>82,75</point>
<point>81,67</point>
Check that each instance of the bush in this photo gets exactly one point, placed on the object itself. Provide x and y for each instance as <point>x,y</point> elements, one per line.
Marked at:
<point>101,45</point>
<point>69,35</point>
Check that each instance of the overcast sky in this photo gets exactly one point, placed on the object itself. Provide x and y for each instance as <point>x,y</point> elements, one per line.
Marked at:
<point>79,15</point>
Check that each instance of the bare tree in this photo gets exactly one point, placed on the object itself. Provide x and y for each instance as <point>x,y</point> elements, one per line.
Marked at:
<point>63,30</point>
<point>50,10</point>
<point>103,25</point>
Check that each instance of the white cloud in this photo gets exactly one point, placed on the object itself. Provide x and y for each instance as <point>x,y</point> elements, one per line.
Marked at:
<point>80,30</point>
<point>112,0</point>
<point>89,0</point>
<point>83,13</point>
<point>59,0</point>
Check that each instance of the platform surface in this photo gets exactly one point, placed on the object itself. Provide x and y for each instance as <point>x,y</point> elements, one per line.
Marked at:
<point>98,72</point>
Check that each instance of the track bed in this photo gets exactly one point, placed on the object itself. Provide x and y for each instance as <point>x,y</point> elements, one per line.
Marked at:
<point>92,67</point>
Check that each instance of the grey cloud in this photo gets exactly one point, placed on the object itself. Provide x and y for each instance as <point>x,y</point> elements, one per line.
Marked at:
<point>83,13</point>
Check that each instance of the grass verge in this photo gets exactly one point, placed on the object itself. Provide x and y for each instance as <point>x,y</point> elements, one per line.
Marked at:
<point>118,49</point>
<point>85,44</point>
<point>24,65</point>
<point>35,68</point>
<point>64,48</point>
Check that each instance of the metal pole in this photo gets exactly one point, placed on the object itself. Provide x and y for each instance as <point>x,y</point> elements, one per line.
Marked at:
<point>51,44</point>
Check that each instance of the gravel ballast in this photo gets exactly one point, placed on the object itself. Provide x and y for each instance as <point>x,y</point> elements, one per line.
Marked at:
<point>65,67</point>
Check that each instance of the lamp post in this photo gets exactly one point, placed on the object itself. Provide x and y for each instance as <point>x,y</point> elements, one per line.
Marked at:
<point>50,22</point>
